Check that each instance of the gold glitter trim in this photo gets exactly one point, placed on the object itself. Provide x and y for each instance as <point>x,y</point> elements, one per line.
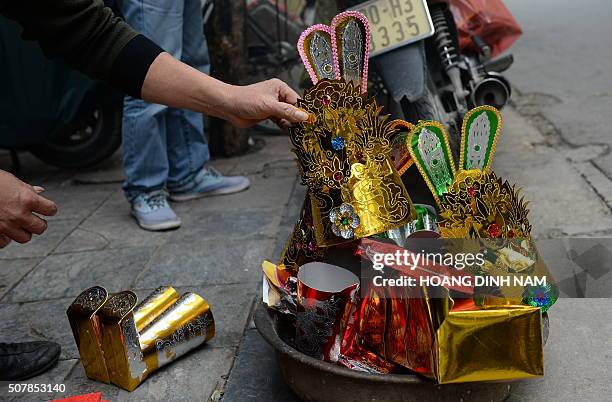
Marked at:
<point>413,133</point>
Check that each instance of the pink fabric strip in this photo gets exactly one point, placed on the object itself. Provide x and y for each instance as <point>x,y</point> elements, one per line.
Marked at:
<point>304,52</point>
<point>366,24</point>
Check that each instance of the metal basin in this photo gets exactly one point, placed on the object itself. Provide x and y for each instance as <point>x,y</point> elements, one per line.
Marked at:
<point>315,380</point>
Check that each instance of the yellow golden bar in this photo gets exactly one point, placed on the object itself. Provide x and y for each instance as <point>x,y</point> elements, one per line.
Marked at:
<point>87,332</point>
<point>155,304</point>
<point>129,355</point>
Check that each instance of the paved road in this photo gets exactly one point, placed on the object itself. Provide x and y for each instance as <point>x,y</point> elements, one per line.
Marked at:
<point>93,240</point>
<point>564,69</point>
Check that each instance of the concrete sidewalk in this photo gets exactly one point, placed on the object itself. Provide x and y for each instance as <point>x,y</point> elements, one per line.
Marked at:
<point>218,252</point>
<point>93,240</point>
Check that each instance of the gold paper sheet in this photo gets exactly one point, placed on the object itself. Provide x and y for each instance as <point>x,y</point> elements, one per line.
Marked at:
<point>490,345</point>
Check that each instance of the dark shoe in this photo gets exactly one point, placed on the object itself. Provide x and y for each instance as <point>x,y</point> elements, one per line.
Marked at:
<point>20,361</point>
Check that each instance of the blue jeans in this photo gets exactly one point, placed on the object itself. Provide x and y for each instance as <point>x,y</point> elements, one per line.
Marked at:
<point>164,147</point>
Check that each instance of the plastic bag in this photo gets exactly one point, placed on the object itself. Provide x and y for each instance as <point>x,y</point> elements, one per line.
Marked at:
<point>490,20</point>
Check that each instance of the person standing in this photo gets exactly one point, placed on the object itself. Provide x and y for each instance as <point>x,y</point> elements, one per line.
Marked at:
<point>91,39</point>
<point>165,153</point>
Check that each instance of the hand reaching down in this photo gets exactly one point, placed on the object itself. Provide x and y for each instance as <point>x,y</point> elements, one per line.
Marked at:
<point>20,207</point>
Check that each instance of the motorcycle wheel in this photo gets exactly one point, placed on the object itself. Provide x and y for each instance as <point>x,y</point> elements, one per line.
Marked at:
<point>429,107</point>
<point>92,137</point>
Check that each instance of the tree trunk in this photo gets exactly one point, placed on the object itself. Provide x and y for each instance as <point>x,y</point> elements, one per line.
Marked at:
<point>228,53</point>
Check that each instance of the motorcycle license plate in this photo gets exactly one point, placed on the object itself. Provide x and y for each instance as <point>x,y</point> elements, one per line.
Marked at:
<point>396,23</point>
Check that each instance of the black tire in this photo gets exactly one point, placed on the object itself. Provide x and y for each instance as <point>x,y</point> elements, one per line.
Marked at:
<point>92,137</point>
<point>428,107</point>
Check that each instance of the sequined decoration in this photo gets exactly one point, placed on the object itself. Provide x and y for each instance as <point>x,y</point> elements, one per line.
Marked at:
<point>322,57</point>
<point>351,41</point>
<point>431,151</point>
<point>497,209</point>
<point>478,139</point>
<point>543,296</point>
<point>352,52</point>
<point>337,143</point>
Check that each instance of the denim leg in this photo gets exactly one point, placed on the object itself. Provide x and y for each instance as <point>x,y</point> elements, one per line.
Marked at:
<point>145,125</point>
<point>187,147</point>
<point>195,48</point>
<point>144,147</point>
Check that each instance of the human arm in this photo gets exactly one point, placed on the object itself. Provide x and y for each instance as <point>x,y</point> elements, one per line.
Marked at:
<point>243,106</point>
<point>90,38</point>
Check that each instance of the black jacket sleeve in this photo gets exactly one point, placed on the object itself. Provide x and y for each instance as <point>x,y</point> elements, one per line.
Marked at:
<point>89,37</point>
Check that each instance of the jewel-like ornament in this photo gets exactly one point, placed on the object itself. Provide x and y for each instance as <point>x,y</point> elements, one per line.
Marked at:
<point>471,191</point>
<point>493,230</point>
<point>360,157</point>
<point>337,143</point>
<point>543,296</point>
<point>338,176</point>
<point>312,247</point>
<point>326,100</point>
<point>344,221</point>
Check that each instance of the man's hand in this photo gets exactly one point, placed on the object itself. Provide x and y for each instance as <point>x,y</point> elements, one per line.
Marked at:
<point>272,99</point>
<point>19,204</point>
<point>173,83</point>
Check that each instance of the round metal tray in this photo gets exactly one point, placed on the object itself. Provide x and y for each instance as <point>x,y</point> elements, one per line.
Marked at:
<point>315,380</point>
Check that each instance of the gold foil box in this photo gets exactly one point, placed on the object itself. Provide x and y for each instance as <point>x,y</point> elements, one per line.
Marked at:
<point>123,342</point>
<point>491,344</point>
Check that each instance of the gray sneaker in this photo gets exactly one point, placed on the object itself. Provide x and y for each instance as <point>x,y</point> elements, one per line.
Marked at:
<point>207,183</point>
<point>153,212</point>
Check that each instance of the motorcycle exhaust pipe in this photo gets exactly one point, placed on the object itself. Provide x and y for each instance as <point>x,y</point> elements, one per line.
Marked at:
<point>494,90</point>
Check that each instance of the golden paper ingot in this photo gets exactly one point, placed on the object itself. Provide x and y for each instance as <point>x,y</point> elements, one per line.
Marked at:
<point>120,341</point>
<point>189,313</point>
<point>87,331</point>
<point>169,331</point>
<point>155,304</point>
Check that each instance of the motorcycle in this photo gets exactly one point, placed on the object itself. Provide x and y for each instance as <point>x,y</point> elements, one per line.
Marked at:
<point>418,58</point>
<point>423,73</point>
<point>423,67</point>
